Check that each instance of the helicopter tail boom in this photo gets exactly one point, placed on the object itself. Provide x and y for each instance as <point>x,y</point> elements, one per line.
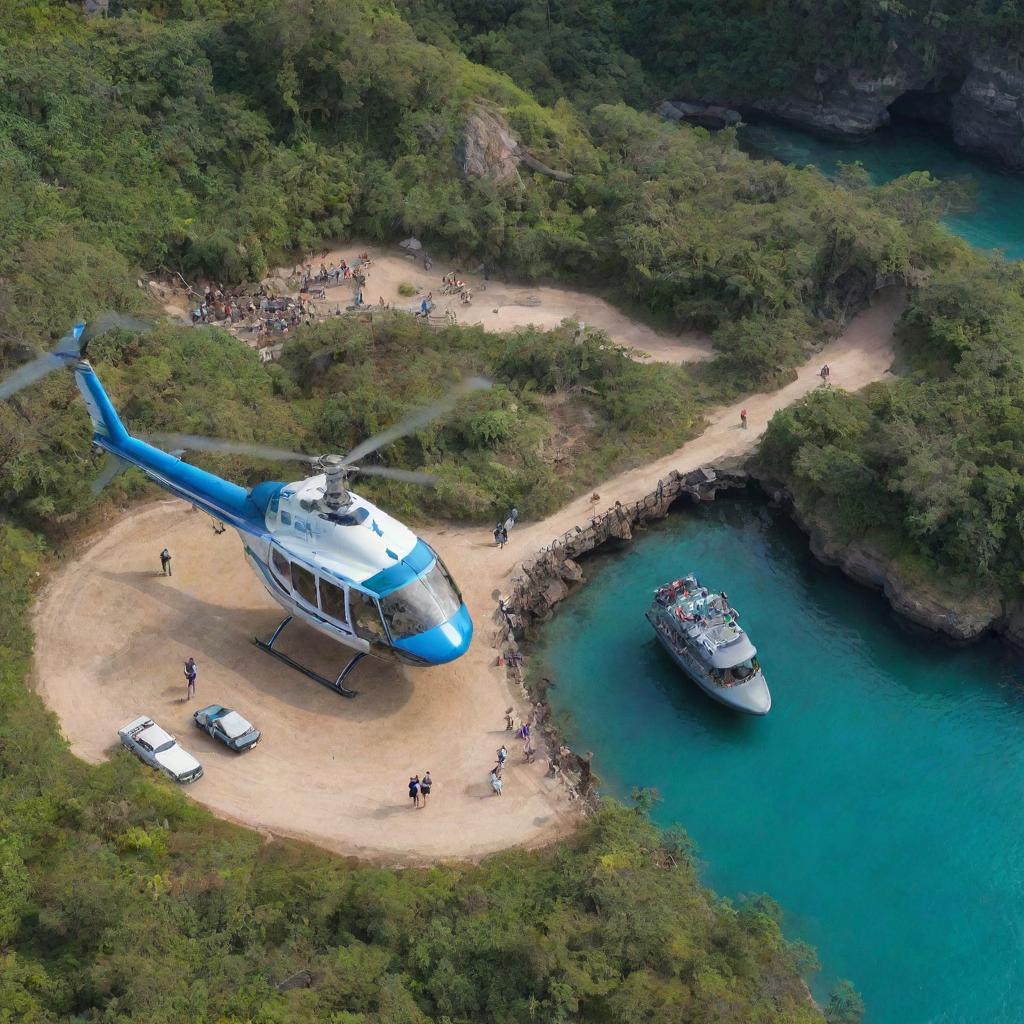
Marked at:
<point>105,421</point>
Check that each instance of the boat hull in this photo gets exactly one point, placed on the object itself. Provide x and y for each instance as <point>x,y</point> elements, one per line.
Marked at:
<point>751,698</point>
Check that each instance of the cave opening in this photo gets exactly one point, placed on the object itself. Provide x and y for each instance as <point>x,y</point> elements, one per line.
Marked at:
<point>930,105</point>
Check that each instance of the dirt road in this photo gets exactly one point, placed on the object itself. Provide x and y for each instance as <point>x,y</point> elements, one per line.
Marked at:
<point>112,635</point>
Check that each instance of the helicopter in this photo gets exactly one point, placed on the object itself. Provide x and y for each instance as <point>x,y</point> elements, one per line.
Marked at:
<point>329,557</point>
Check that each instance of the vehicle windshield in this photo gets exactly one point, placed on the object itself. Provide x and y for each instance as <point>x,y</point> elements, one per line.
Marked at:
<point>422,604</point>
<point>166,745</point>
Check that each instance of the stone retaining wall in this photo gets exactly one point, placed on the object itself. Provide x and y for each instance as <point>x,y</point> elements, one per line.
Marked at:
<point>552,573</point>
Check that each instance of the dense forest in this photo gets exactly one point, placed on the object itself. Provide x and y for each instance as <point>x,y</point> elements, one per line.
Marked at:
<point>222,138</point>
<point>599,51</point>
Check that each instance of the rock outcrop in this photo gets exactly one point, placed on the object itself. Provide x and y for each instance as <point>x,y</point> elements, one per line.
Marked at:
<point>489,149</point>
<point>987,113</point>
<point>958,609</point>
<point>707,115</point>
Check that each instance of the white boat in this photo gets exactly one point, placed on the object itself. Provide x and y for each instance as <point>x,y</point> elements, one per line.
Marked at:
<point>701,633</point>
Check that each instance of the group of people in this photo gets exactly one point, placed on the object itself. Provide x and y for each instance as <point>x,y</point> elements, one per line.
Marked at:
<point>538,713</point>
<point>452,284</point>
<point>419,789</point>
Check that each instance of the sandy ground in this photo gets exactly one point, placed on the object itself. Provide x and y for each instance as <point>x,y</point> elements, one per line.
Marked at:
<point>505,307</point>
<point>112,634</point>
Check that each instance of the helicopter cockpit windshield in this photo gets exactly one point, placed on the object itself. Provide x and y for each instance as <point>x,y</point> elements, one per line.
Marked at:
<point>422,604</point>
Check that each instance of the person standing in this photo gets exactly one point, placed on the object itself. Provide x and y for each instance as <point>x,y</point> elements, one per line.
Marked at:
<point>502,754</point>
<point>425,783</point>
<point>743,418</point>
<point>165,562</point>
<point>414,790</point>
<point>495,782</point>
<point>191,670</point>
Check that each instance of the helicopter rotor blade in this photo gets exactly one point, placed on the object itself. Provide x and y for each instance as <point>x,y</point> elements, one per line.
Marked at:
<point>193,442</point>
<point>417,420</point>
<point>406,476</point>
<point>36,369</point>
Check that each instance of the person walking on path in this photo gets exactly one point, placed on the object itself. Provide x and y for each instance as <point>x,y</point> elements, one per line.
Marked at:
<point>510,722</point>
<point>425,783</point>
<point>500,535</point>
<point>502,754</point>
<point>165,562</point>
<point>191,670</point>
<point>495,782</point>
<point>743,418</point>
<point>414,790</point>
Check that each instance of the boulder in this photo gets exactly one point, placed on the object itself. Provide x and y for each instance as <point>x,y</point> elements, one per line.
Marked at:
<point>706,115</point>
<point>487,147</point>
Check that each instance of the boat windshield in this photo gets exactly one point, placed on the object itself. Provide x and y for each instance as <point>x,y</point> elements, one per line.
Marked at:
<point>422,604</point>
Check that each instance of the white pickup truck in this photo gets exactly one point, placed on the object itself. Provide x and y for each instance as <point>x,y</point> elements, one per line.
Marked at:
<point>144,738</point>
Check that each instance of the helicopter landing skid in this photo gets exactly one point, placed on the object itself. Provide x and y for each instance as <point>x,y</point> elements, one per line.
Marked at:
<point>335,685</point>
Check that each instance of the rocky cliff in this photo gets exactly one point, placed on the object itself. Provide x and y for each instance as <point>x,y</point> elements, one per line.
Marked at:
<point>979,97</point>
<point>957,608</point>
<point>988,110</point>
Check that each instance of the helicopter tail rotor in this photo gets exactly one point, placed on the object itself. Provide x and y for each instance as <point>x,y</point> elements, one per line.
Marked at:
<point>69,350</point>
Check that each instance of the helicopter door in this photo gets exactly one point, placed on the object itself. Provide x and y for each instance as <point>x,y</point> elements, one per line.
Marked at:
<point>332,602</point>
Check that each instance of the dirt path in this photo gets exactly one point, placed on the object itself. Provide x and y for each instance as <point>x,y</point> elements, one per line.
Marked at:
<point>504,307</point>
<point>112,635</point>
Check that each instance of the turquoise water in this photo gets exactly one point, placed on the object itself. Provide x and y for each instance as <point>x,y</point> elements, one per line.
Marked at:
<point>879,802</point>
<point>997,222</point>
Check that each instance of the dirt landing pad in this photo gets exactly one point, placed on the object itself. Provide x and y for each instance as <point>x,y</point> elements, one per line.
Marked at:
<point>111,637</point>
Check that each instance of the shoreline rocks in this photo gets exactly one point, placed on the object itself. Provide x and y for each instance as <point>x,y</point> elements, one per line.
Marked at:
<point>961,612</point>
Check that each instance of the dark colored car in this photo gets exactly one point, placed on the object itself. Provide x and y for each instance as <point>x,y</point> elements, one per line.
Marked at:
<point>235,732</point>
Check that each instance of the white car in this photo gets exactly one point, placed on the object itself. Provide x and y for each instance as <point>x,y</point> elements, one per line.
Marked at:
<point>144,738</point>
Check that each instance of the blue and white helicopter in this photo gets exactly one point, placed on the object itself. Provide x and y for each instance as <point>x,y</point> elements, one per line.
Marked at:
<point>327,556</point>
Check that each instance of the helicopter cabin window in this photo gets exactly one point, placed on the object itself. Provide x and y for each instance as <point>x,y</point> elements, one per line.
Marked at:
<point>281,566</point>
<point>422,604</point>
<point>304,584</point>
<point>332,600</point>
<point>286,518</point>
<point>365,616</point>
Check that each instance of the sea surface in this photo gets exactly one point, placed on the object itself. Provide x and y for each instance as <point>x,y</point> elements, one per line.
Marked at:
<point>996,222</point>
<point>881,802</point>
